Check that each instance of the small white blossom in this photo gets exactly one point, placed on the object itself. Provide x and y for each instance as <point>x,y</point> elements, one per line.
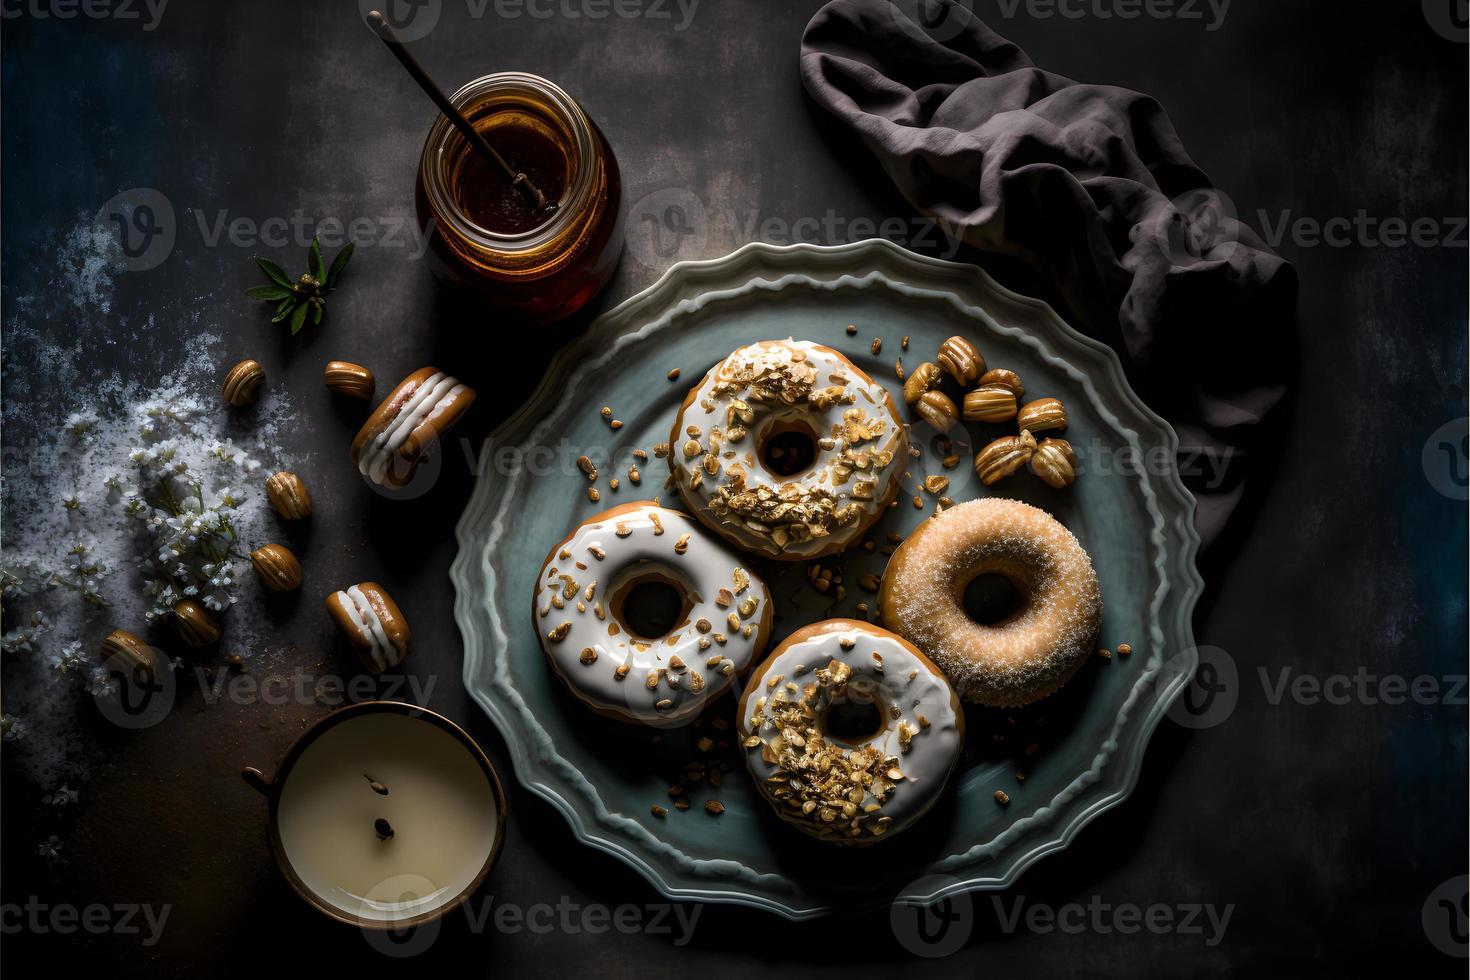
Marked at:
<point>12,729</point>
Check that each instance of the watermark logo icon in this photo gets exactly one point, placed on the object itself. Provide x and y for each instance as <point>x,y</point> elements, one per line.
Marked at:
<point>1450,19</point>
<point>141,221</point>
<point>137,697</point>
<point>410,20</point>
<point>1212,693</point>
<point>1446,459</point>
<point>1194,225</point>
<point>938,20</point>
<point>406,893</point>
<point>407,480</point>
<point>666,224</point>
<point>1446,917</point>
<point>936,929</point>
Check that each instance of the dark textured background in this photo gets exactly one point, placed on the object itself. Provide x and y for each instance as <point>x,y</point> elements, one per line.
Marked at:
<point>1326,826</point>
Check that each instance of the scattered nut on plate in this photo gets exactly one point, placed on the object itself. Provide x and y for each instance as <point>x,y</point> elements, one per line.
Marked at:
<point>288,495</point>
<point>938,409</point>
<point>961,360</point>
<point>923,378</point>
<point>277,567</point>
<point>1055,462</point>
<point>1042,415</point>
<point>198,626</point>
<point>347,378</point>
<point>990,403</point>
<point>1006,379</point>
<point>242,382</point>
<point>1003,457</point>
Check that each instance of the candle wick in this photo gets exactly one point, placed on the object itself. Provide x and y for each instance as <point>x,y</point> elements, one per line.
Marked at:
<point>377,787</point>
<point>384,829</point>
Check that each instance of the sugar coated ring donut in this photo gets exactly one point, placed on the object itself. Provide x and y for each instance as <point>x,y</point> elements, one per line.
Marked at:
<point>843,775</point>
<point>786,448</point>
<point>1034,650</point>
<point>720,624</point>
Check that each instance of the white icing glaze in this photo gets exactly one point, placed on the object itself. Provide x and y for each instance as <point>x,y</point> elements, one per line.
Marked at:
<point>862,452</point>
<point>917,705</point>
<point>428,401</point>
<point>365,618</point>
<point>695,661</point>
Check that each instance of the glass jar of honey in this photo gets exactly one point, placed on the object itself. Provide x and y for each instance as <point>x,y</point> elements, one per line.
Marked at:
<point>485,234</point>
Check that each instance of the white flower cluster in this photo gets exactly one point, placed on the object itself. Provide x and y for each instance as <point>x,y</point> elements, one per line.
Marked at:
<point>186,510</point>
<point>177,512</point>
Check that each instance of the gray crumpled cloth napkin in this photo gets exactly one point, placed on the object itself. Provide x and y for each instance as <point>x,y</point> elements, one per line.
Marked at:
<point>1090,186</point>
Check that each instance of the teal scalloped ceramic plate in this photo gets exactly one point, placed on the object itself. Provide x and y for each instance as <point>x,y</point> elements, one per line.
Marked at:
<point>1080,750</point>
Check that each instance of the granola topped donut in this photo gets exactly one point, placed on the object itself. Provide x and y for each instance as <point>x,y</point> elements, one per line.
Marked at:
<point>646,617</point>
<point>849,731</point>
<point>786,448</point>
<point>1000,594</point>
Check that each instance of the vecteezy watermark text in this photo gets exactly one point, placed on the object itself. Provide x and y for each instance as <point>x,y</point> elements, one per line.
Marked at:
<point>64,919</point>
<point>565,917</point>
<point>1105,918</point>
<point>145,227</point>
<point>297,229</point>
<point>150,12</point>
<point>411,20</point>
<point>1209,12</point>
<point>1217,685</point>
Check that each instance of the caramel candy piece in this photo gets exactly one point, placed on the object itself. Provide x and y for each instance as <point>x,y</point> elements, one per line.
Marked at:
<point>197,625</point>
<point>242,382</point>
<point>288,495</point>
<point>372,622</point>
<point>124,650</point>
<point>407,426</point>
<point>347,378</point>
<point>277,567</point>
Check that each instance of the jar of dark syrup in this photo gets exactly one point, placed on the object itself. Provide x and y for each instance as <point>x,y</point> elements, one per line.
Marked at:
<point>486,236</point>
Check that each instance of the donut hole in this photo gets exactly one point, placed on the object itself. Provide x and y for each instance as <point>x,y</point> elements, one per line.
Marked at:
<point>651,604</point>
<point>855,718</point>
<point>991,599</point>
<point>788,448</point>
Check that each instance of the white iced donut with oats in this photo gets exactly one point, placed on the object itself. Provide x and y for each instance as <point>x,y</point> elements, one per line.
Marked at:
<point>646,617</point>
<point>788,449</point>
<point>850,731</point>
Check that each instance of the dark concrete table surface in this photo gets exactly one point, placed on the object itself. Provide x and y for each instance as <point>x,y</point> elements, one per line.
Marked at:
<point>1324,823</point>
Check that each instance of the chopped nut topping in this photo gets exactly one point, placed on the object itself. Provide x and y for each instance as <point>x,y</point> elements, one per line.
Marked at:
<point>833,791</point>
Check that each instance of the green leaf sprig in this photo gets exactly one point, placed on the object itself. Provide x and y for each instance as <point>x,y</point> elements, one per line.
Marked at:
<point>307,295</point>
